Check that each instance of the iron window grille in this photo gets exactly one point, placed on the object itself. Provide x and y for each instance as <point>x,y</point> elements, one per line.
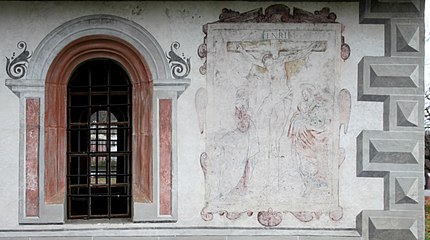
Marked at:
<point>99,141</point>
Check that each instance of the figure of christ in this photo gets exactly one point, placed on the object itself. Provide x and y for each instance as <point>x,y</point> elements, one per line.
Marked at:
<point>272,110</point>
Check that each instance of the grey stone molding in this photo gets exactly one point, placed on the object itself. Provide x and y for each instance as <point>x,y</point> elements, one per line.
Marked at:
<point>395,153</point>
<point>407,35</point>
<point>380,11</point>
<point>380,77</point>
<point>110,25</point>
<point>25,86</point>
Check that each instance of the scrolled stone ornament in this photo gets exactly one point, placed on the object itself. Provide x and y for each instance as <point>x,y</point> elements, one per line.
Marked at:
<point>16,67</point>
<point>202,53</point>
<point>269,218</point>
<point>180,66</point>
<point>233,215</point>
<point>207,216</point>
<point>345,50</point>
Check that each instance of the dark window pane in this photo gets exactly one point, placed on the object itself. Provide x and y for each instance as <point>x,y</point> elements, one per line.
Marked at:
<point>78,139</point>
<point>78,206</point>
<point>99,205</point>
<point>78,114</point>
<point>121,204</point>
<point>80,77</point>
<point>119,190</point>
<point>79,191</point>
<point>121,98</point>
<point>99,100</point>
<point>79,100</point>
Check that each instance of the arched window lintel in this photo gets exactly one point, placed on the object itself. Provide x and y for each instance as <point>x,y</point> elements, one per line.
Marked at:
<point>101,24</point>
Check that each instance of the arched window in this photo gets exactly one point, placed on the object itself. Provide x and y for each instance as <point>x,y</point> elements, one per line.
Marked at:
<point>110,42</point>
<point>99,141</point>
<point>95,67</point>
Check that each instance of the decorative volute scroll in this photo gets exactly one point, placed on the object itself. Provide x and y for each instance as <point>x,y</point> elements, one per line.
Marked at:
<point>16,66</point>
<point>180,66</point>
<point>277,13</point>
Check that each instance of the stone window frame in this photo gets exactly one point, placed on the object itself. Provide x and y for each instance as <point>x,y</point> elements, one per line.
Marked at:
<point>41,197</point>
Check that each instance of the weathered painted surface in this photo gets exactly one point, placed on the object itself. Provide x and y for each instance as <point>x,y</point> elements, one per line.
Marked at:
<point>32,157</point>
<point>273,120</point>
<point>55,143</point>
<point>165,122</point>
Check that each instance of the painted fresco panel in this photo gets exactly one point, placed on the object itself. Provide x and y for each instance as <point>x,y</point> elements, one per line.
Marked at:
<point>273,120</point>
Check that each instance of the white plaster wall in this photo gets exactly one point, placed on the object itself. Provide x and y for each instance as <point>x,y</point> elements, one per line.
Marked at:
<point>427,56</point>
<point>182,22</point>
<point>9,154</point>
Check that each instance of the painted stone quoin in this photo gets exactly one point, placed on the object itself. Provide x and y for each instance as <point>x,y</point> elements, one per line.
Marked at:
<point>272,113</point>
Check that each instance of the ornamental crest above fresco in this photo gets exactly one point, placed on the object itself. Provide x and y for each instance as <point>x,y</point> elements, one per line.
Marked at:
<point>272,114</point>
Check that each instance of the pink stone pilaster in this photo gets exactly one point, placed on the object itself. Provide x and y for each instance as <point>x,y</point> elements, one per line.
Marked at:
<point>31,157</point>
<point>165,136</point>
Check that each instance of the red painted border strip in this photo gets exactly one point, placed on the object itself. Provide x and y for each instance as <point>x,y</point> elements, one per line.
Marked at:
<point>31,157</point>
<point>165,136</point>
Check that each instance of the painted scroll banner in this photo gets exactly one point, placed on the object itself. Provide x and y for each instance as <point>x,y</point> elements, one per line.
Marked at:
<point>273,120</point>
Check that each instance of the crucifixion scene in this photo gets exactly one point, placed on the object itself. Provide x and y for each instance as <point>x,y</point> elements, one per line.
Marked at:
<point>271,151</point>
